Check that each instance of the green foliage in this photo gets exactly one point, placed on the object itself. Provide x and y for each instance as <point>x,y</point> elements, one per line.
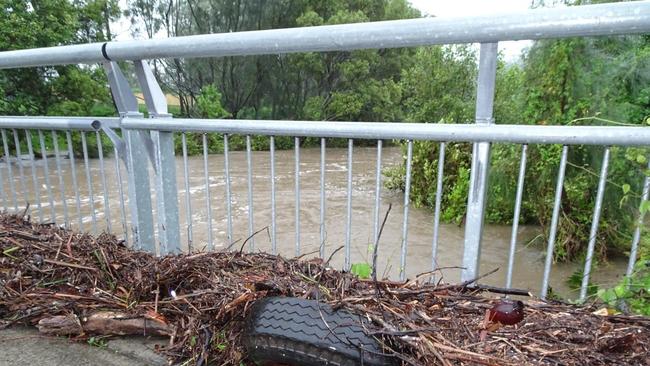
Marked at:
<point>208,103</point>
<point>631,294</point>
<point>60,90</point>
<point>644,207</point>
<point>220,341</point>
<point>575,282</point>
<point>358,85</point>
<point>567,81</point>
<point>570,81</point>
<point>99,342</point>
<point>439,87</point>
<point>361,270</point>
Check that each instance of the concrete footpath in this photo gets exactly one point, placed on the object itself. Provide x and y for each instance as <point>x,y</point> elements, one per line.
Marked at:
<point>26,346</point>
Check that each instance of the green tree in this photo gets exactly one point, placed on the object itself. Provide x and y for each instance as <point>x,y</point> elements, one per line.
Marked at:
<point>362,85</point>
<point>439,87</point>
<point>55,90</point>
<point>45,90</point>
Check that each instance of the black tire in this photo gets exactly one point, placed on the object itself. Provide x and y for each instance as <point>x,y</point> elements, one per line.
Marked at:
<point>291,331</point>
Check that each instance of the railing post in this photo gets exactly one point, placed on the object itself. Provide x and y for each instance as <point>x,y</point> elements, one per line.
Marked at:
<point>165,163</point>
<point>136,161</point>
<point>480,163</point>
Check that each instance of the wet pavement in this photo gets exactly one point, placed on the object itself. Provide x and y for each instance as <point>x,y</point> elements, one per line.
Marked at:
<point>26,346</point>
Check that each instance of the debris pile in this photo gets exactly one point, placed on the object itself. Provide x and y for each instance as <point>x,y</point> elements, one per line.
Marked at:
<point>71,283</point>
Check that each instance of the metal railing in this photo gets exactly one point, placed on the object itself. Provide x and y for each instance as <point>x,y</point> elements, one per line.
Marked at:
<point>144,142</point>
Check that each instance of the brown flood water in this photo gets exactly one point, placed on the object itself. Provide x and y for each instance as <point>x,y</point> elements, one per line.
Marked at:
<point>529,258</point>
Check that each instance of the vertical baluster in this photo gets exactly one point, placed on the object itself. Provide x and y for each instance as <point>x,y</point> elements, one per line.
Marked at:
<point>554,221</point>
<point>10,173</point>
<point>188,204</point>
<point>91,196</point>
<point>377,195</point>
<point>322,198</point>
<point>3,194</point>
<point>593,233</point>
<point>438,205</point>
<point>251,216</point>
<point>407,200</point>
<point>297,192</point>
<point>639,224</point>
<point>348,224</point>
<point>102,172</point>
<point>37,191</point>
<point>515,219</point>
<point>207,191</point>
<point>21,172</point>
<point>59,173</point>
<point>73,170</point>
<point>273,223</point>
<point>226,159</point>
<point>46,171</point>
<point>120,191</point>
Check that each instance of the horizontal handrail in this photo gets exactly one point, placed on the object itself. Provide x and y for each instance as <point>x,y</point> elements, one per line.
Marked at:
<point>567,135</point>
<point>523,134</point>
<point>589,20</point>
<point>58,123</point>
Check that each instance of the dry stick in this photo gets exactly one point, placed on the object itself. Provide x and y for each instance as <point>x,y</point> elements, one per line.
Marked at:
<point>23,235</point>
<point>307,254</point>
<point>461,287</point>
<point>397,333</point>
<point>251,236</point>
<point>428,273</point>
<point>504,291</point>
<point>374,250</point>
<point>327,262</point>
<point>230,246</point>
<point>78,266</point>
<point>476,357</point>
<point>464,285</point>
<point>58,251</point>
<point>325,265</point>
<point>320,312</point>
<point>406,340</point>
<point>435,352</point>
<point>22,216</point>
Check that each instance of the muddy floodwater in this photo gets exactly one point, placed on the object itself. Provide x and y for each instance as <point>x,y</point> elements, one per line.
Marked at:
<point>529,258</point>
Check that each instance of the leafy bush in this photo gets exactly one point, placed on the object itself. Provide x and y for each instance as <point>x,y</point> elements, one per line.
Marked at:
<point>208,103</point>
<point>570,81</point>
<point>632,294</point>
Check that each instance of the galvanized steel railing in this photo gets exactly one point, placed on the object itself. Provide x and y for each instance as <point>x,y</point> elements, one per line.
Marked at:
<point>145,140</point>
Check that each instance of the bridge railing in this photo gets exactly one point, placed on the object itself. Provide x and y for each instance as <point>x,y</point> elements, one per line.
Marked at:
<point>144,143</point>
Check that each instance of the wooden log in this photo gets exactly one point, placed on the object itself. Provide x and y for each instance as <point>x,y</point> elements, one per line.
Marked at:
<point>60,325</point>
<point>103,323</point>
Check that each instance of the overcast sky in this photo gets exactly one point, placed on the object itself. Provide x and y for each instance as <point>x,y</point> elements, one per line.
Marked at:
<point>452,8</point>
<point>440,8</point>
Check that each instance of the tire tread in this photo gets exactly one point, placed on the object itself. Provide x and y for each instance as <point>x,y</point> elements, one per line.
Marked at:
<point>292,330</point>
